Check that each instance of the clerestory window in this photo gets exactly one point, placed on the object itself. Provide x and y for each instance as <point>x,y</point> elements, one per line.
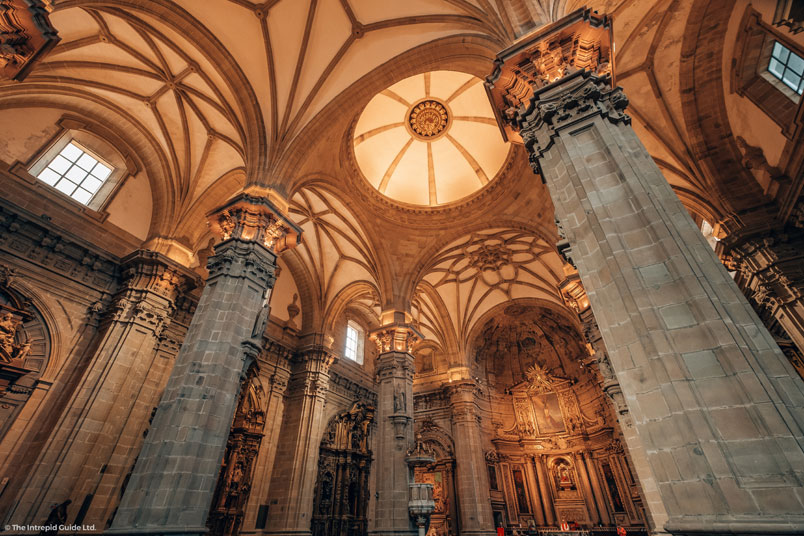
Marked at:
<point>76,172</point>
<point>354,342</point>
<point>787,66</point>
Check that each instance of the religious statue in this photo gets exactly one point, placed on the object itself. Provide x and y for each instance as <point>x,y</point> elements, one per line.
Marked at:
<point>8,329</point>
<point>400,403</point>
<point>9,349</point>
<point>262,317</point>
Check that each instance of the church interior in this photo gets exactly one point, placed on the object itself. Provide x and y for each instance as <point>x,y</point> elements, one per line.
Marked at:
<point>384,267</point>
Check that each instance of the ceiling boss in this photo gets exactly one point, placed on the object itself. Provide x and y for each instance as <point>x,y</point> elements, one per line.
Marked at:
<point>428,119</point>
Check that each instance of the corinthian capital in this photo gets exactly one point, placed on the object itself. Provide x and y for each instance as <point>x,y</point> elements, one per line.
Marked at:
<point>256,215</point>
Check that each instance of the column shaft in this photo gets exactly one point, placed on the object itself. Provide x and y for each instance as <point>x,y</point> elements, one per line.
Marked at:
<point>703,379</point>
<point>535,494</point>
<point>471,472</point>
<point>173,482</point>
<point>589,499</point>
<point>600,498</point>
<point>544,490</point>
<point>394,438</point>
<point>96,439</point>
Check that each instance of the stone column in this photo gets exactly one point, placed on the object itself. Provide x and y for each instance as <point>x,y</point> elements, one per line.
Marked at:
<point>275,377</point>
<point>544,490</point>
<point>471,472</point>
<point>534,492</point>
<point>296,464</point>
<point>171,487</point>
<point>717,407</point>
<point>97,436</point>
<point>588,495</point>
<point>394,437</point>
<point>600,498</point>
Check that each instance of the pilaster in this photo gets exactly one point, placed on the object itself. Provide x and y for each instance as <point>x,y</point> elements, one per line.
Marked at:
<point>275,375</point>
<point>296,462</point>
<point>717,407</point>
<point>171,487</point>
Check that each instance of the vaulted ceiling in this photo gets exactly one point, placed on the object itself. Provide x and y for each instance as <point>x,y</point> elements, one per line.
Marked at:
<point>213,95</point>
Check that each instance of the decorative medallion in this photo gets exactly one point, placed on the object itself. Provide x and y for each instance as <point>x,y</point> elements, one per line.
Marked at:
<point>428,119</point>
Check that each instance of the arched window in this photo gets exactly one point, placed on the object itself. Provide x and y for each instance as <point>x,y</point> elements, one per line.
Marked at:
<point>354,342</point>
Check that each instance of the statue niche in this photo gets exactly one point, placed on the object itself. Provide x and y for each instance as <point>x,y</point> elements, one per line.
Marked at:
<point>344,460</point>
<point>234,482</point>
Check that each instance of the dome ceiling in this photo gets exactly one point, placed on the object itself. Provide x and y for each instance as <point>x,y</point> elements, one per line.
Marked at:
<point>429,139</point>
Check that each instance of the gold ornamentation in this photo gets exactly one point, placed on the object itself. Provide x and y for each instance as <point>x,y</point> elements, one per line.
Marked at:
<point>428,119</point>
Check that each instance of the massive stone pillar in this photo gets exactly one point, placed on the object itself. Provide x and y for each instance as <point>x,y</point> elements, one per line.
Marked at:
<point>296,462</point>
<point>171,487</point>
<point>717,407</point>
<point>96,438</point>
<point>471,473</point>
<point>394,430</point>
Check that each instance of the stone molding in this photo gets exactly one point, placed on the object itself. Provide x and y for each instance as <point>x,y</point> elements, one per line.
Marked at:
<point>33,240</point>
<point>552,109</point>
<point>350,389</point>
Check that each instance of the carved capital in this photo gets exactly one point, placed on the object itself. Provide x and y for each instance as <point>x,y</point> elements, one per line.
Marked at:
<point>580,42</point>
<point>255,215</point>
<point>395,338</point>
<point>26,36</point>
<point>152,272</point>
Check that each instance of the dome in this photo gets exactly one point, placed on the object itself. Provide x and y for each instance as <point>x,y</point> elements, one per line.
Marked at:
<point>429,139</point>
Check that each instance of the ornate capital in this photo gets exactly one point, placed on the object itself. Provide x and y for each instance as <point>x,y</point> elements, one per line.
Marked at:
<point>580,42</point>
<point>398,337</point>
<point>26,35</point>
<point>255,216</point>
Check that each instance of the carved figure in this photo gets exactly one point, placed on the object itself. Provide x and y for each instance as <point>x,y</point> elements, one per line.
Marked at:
<point>8,329</point>
<point>400,402</point>
<point>262,317</point>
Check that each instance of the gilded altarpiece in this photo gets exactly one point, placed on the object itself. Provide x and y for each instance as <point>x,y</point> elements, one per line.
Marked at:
<point>342,486</point>
<point>235,480</point>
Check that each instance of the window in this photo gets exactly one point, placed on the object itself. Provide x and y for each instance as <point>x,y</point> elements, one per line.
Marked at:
<point>787,66</point>
<point>767,69</point>
<point>354,342</point>
<point>76,172</point>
